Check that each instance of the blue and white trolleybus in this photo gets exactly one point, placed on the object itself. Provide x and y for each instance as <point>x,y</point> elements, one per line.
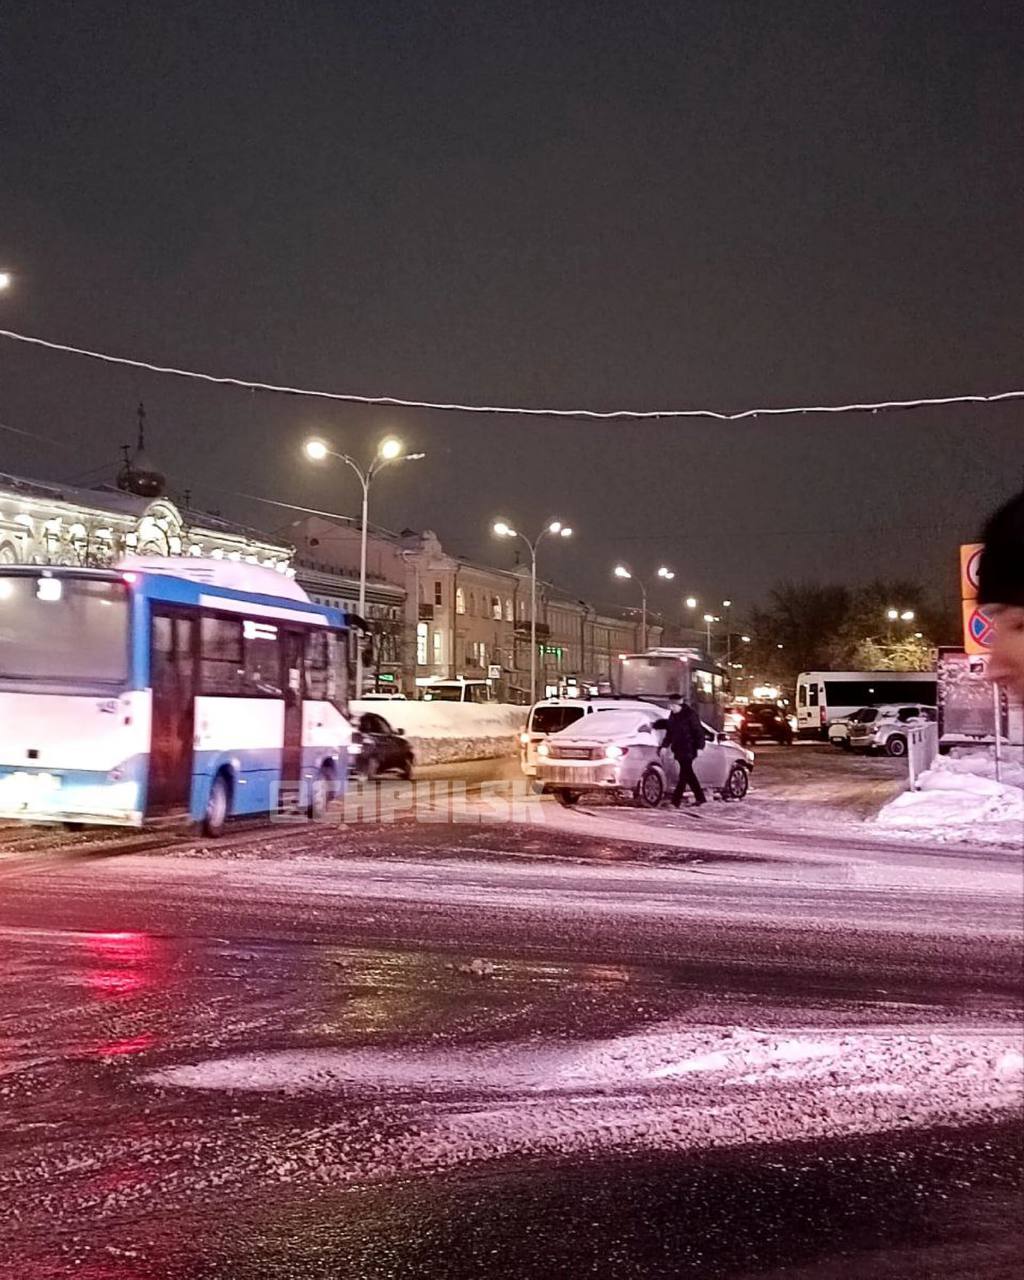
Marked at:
<point>204,688</point>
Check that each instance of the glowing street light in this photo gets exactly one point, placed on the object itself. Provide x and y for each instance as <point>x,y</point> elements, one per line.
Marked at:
<point>907,615</point>
<point>709,618</point>
<point>389,450</point>
<point>666,575</point>
<point>6,280</point>
<point>691,602</point>
<point>554,529</point>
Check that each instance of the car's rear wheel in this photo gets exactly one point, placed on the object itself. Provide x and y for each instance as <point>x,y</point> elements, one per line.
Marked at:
<point>896,746</point>
<point>650,790</point>
<point>566,797</point>
<point>738,782</point>
<point>407,769</point>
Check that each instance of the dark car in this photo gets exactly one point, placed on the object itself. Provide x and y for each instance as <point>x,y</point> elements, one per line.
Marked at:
<point>765,720</point>
<point>382,748</point>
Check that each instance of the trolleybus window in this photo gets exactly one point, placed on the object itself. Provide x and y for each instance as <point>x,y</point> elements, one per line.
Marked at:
<point>262,659</point>
<point>222,666</point>
<point>63,630</point>
<point>326,672</point>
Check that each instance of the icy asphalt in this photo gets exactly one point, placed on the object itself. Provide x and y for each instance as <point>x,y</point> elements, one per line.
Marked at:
<point>588,1043</point>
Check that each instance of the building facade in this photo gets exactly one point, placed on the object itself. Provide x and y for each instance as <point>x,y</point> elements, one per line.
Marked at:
<point>441,616</point>
<point>49,523</point>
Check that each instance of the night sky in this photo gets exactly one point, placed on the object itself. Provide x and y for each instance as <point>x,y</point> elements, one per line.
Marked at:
<point>631,205</point>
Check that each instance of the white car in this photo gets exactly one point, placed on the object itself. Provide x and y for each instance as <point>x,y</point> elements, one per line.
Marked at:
<point>551,715</point>
<point>618,752</point>
<point>839,730</point>
<point>885,728</point>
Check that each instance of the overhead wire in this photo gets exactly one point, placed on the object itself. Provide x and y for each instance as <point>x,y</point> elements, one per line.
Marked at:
<point>32,435</point>
<point>601,415</point>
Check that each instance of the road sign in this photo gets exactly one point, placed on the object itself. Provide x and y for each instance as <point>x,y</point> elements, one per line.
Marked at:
<point>494,671</point>
<point>979,629</point>
<point>970,562</point>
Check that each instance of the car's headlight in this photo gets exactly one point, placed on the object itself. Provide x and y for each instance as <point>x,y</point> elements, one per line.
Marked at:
<point>614,752</point>
<point>524,738</point>
<point>543,749</point>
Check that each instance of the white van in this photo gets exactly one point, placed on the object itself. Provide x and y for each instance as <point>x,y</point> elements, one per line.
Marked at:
<point>457,690</point>
<point>551,715</point>
<point>824,696</point>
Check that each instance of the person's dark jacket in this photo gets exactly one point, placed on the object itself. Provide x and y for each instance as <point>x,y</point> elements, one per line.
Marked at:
<point>684,734</point>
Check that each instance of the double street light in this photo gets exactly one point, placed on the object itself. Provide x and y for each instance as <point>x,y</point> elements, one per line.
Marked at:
<point>692,603</point>
<point>554,529</point>
<point>389,450</point>
<point>621,571</point>
<point>898,615</point>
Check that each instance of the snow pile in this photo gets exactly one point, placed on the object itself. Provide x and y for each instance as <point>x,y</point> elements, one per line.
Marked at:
<point>669,1087</point>
<point>959,799</point>
<point>446,731</point>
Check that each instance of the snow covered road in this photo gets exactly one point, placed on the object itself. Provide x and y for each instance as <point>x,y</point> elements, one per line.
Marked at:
<point>314,1052</point>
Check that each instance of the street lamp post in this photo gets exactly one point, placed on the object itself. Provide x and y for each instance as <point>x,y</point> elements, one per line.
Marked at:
<point>621,571</point>
<point>389,450</point>
<point>556,529</point>
<point>727,606</point>
<point>692,603</point>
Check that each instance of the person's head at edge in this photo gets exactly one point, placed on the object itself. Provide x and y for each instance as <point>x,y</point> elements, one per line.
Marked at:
<point>1001,590</point>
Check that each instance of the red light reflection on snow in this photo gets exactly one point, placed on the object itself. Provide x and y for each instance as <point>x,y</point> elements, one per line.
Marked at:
<point>123,964</point>
<point>120,948</point>
<point>121,968</point>
<point>121,1048</point>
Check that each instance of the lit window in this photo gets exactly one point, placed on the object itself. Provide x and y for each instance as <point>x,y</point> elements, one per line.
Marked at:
<point>421,643</point>
<point>438,648</point>
<point>460,600</point>
<point>508,609</point>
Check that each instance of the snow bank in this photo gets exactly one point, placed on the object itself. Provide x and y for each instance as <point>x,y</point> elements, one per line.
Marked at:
<point>960,800</point>
<point>445,731</point>
<point>671,1086</point>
